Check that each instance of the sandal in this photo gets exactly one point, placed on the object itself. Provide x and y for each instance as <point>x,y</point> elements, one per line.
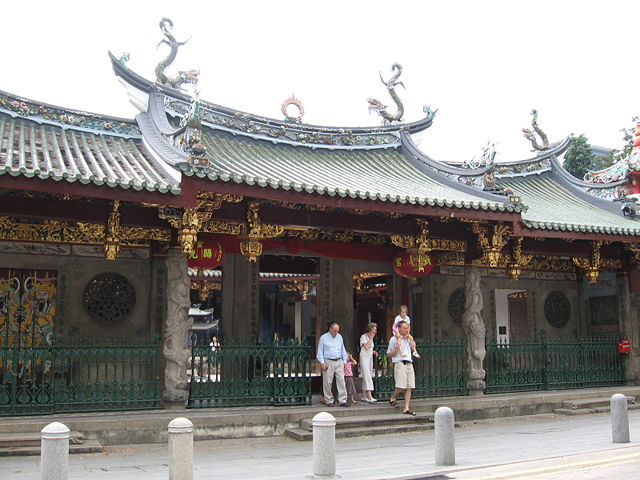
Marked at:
<point>393,403</point>
<point>409,412</point>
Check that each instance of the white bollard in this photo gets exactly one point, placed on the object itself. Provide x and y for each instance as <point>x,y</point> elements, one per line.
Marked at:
<point>180,449</point>
<point>619,418</point>
<point>324,447</point>
<point>445,442</point>
<point>54,452</point>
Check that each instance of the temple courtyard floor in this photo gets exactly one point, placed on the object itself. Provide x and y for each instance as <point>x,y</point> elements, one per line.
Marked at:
<point>533,446</point>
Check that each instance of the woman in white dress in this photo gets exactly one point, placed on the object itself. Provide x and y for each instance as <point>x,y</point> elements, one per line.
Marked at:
<point>366,361</point>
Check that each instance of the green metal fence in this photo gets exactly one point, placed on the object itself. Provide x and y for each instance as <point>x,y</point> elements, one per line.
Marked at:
<point>250,372</point>
<point>440,370</point>
<point>85,376</point>
<point>552,364</point>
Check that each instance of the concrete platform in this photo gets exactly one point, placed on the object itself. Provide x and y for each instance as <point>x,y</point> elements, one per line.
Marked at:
<point>586,406</point>
<point>143,427</point>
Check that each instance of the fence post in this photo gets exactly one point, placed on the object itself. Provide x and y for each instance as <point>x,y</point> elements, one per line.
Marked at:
<point>619,418</point>
<point>54,452</point>
<point>445,442</point>
<point>180,449</point>
<point>324,446</point>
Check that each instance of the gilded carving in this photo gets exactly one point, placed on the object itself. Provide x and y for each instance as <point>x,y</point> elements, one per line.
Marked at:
<point>359,278</point>
<point>111,245</point>
<point>61,232</point>
<point>450,258</point>
<point>491,244</point>
<point>222,227</point>
<point>517,260</point>
<point>188,232</point>
<point>307,234</point>
<point>591,265</point>
<point>373,239</point>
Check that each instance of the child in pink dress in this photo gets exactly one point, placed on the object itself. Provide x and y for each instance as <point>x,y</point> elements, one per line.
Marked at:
<point>403,317</point>
<point>348,379</point>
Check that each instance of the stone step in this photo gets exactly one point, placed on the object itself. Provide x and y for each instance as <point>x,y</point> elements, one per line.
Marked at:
<point>89,446</point>
<point>593,402</point>
<point>589,411</point>
<point>29,439</point>
<point>373,420</point>
<point>304,434</point>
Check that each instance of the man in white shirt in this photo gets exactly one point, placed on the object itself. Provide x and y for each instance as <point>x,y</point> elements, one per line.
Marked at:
<point>399,350</point>
<point>332,356</point>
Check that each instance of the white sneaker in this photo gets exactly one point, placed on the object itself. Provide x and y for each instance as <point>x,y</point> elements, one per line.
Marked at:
<point>373,400</point>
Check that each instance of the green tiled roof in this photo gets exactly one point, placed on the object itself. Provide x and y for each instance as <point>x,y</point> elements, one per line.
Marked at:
<point>36,147</point>
<point>376,174</point>
<point>552,206</point>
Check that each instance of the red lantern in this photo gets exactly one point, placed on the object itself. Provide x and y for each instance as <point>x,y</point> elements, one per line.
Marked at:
<point>403,267</point>
<point>207,254</point>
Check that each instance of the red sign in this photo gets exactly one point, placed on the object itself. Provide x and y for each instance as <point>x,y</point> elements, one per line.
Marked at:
<point>207,254</point>
<point>402,266</point>
<point>624,346</point>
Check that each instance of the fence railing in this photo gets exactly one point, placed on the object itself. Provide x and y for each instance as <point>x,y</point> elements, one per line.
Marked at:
<point>250,372</point>
<point>440,370</point>
<point>552,364</point>
<point>100,375</point>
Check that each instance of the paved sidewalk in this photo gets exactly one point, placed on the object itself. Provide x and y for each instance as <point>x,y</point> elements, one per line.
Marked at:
<point>491,442</point>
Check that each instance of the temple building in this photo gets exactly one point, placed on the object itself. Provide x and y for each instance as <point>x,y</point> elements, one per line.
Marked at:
<point>112,230</point>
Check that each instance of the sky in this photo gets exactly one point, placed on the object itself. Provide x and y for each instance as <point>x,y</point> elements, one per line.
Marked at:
<point>483,64</point>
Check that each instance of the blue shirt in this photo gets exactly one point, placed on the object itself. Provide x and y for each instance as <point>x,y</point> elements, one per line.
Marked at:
<point>331,347</point>
<point>406,349</point>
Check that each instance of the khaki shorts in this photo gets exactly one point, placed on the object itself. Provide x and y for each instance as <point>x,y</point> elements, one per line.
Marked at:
<point>404,375</point>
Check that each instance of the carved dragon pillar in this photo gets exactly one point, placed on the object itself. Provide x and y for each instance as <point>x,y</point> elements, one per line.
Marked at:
<point>474,332</point>
<point>175,351</point>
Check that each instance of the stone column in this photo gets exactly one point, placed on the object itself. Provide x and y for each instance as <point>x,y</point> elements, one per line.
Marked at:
<point>474,332</point>
<point>342,310</point>
<point>240,298</point>
<point>175,350</point>
<point>633,367</point>
<point>628,328</point>
<point>54,452</point>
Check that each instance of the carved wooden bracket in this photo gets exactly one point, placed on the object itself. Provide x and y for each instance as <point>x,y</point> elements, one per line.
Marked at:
<point>591,265</point>
<point>491,245</point>
<point>111,246</point>
<point>518,260</point>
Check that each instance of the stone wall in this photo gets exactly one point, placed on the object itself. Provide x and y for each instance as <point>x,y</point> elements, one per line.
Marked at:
<point>76,265</point>
<point>438,304</point>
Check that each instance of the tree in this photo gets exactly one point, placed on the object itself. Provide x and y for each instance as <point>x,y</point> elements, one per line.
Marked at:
<point>628,134</point>
<point>579,158</point>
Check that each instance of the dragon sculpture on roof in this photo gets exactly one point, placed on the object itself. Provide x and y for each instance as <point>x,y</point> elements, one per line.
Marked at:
<point>531,136</point>
<point>621,169</point>
<point>184,77</point>
<point>381,109</point>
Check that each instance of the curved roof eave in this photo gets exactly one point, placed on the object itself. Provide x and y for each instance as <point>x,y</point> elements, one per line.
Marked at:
<point>408,142</point>
<point>576,186</point>
<point>562,172</point>
<point>430,167</point>
<point>145,86</point>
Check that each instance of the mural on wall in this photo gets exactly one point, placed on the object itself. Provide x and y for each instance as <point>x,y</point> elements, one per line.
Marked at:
<point>27,307</point>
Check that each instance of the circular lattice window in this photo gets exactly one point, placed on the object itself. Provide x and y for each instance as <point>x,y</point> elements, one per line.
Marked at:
<point>557,309</point>
<point>456,305</point>
<point>109,298</point>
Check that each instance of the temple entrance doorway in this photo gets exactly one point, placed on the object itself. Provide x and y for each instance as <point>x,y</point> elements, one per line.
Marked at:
<point>372,292</point>
<point>288,298</point>
<point>511,315</point>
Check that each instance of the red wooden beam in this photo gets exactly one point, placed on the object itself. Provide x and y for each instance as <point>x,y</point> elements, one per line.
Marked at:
<point>90,190</point>
<point>336,201</point>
